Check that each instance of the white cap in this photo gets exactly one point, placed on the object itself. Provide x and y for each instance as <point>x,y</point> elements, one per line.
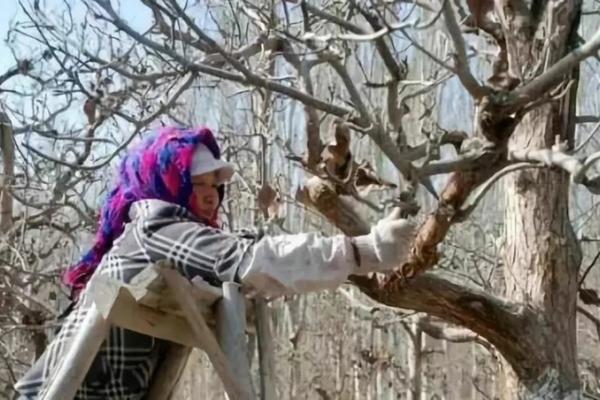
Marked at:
<point>203,161</point>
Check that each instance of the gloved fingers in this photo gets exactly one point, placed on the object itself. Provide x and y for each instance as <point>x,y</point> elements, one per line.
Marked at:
<point>404,226</point>
<point>393,215</point>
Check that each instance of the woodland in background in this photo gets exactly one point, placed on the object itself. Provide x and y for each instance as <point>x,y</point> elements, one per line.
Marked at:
<point>478,118</point>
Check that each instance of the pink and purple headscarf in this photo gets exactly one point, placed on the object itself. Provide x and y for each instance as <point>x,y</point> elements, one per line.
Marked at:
<point>157,168</point>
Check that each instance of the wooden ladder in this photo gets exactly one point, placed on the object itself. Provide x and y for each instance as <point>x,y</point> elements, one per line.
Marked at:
<point>160,302</point>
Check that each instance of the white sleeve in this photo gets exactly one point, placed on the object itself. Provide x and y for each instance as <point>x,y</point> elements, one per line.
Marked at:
<point>289,264</point>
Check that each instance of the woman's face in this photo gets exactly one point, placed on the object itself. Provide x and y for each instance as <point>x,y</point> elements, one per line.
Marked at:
<point>206,194</point>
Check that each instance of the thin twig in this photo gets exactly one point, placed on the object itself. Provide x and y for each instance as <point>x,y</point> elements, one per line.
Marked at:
<point>590,317</point>
<point>450,334</point>
<point>555,74</point>
<point>462,64</point>
<point>477,195</point>
<point>250,78</point>
<point>588,138</point>
<point>588,269</point>
<point>553,158</point>
<point>579,176</point>
<point>359,37</point>
<point>139,125</point>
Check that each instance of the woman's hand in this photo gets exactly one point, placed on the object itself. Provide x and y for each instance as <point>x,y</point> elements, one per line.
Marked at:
<point>387,246</point>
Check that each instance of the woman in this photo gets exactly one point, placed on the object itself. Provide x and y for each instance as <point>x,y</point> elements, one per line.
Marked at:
<point>164,206</point>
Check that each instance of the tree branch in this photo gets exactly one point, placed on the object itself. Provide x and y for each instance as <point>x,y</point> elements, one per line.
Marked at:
<point>463,162</point>
<point>388,58</point>
<point>341,22</point>
<point>451,334</point>
<point>555,158</point>
<point>7,149</point>
<point>14,71</point>
<point>359,37</point>
<point>495,319</point>
<point>593,319</point>
<point>214,46</point>
<point>554,75</point>
<point>499,321</point>
<point>586,119</point>
<point>462,64</point>
<point>139,124</point>
<point>477,195</point>
<point>249,78</point>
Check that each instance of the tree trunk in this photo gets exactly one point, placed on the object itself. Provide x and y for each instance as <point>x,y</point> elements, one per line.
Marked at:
<point>415,363</point>
<point>542,256</point>
<point>8,155</point>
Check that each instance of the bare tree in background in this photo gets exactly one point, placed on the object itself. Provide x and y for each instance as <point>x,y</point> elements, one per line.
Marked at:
<point>313,54</point>
<point>58,122</point>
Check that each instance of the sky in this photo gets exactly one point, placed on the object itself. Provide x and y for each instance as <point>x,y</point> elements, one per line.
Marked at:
<point>8,14</point>
<point>134,12</point>
<point>131,10</point>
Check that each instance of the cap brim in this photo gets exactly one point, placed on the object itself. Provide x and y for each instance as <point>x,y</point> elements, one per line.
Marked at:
<point>225,171</point>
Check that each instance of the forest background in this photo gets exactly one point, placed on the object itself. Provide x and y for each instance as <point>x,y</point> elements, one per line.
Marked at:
<point>478,118</point>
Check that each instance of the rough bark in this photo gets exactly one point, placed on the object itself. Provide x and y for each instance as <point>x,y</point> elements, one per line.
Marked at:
<point>542,255</point>
<point>322,196</point>
<point>415,362</point>
<point>542,259</point>
<point>8,159</point>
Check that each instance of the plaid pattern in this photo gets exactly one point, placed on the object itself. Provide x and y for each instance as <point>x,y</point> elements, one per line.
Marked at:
<point>126,361</point>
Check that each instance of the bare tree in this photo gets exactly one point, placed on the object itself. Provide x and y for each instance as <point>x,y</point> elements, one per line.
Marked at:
<point>348,65</point>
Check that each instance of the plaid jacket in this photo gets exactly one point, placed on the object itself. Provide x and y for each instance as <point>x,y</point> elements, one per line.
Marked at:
<point>124,366</point>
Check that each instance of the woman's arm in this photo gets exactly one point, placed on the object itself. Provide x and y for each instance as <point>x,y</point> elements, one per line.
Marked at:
<point>289,264</point>
<point>193,248</point>
<point>277,265</point>
<point>308,262</point>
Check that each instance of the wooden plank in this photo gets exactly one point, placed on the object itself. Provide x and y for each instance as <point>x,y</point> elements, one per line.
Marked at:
<point>168,374</point>
<point>265,350</point>
<point>204,291</point>
<point>150,279</point>
<point>146,289</point>
<point>79,356</point>
<point>231,329</point>
<point>130,315</point>
<point>180,288</point>
<point>149,288</point>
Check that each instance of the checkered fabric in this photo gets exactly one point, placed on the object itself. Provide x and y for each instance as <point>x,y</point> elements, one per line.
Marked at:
<point>126,361</point>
